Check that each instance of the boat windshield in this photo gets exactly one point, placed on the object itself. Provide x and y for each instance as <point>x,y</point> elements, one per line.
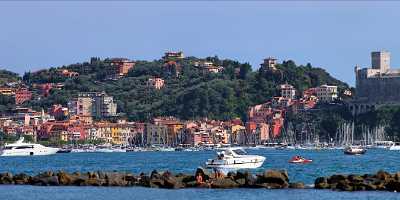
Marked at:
<point>240,151</point>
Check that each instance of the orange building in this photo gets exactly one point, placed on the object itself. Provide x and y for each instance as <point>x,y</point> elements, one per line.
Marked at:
<point>119,66</point>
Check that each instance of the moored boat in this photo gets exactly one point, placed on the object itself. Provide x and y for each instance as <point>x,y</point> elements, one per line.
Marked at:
<point>232,159</point>
<point>354,150</point>
<point>395,147</point>
<point>20,148</point>
<point>299,160</point>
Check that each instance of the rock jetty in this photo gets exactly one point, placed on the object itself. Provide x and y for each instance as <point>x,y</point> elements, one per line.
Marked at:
<point>381,181</point>
<point>271,179</point>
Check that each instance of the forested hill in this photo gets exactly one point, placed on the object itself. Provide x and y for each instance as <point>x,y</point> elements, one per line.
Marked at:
<point>7,77</point>
<point>191,94</point>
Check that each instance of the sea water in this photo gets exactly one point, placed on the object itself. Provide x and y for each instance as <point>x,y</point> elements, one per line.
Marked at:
<point>325,163</point>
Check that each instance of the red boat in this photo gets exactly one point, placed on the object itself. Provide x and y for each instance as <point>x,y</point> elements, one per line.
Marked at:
<point>299,159</point>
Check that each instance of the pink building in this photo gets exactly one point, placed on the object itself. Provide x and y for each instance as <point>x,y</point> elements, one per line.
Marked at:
<point>22,95</point>
<point>45,89</point>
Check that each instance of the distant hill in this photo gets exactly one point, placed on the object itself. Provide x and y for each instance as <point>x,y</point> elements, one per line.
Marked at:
<point>192,94</point>
<point>8,76</point>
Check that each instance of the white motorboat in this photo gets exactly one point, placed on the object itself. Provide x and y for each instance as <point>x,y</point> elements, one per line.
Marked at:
<point>232,159</point>
<point>19,148</point>
<point>395,147</point>
<point>354,150</point>
<point>383,144</point>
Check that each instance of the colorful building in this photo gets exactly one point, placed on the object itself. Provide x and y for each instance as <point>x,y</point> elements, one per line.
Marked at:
<point>22,95</point>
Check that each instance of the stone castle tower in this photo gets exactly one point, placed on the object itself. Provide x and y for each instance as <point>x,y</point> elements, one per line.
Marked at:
<point>379,84</point>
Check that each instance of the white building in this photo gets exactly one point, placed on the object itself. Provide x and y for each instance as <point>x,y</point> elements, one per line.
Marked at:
<point>327,93</point>
<point>288,91</point>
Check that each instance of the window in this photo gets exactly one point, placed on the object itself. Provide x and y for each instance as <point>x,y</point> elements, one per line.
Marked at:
<point>24,147</point>
<point>239,151</point>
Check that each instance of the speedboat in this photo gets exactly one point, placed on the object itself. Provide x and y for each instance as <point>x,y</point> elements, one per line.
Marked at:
<point>299,159</point>
<point>232,159</point>
<point>19,148</point>
<point>354,150</point>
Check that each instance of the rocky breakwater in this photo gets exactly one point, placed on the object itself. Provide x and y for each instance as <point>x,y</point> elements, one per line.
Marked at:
<point>270,179</point>
<point>380,181</point>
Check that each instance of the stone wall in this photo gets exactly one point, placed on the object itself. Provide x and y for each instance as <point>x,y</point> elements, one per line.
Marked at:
<point>378,90</point>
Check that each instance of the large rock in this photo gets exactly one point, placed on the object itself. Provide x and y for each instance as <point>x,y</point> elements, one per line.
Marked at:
<point>45,179</point>
<point>321,183</point>
<point>22,179</point>
<point>393,186</point>
<point>384,176</point>
<point>170,181</point>
<point>224,183</point>
<point>396,176</point>
<point>6,178</point>
<point>144,180</point>
<point>185,178</point>
<point>273,179</point>
<point>334,179</point>
<point>115,179</point>
<point>65,178</point>
<point>156,181</point>
<point>131,179</point>
<point>297,185</point>
<point>343,185</point>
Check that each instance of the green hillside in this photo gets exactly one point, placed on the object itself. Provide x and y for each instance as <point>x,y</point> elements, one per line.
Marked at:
<point>192,94</point>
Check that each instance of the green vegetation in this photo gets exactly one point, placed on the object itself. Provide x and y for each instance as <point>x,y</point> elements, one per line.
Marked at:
<point>7,76</point>
<point>388,116</point>
<point>193,94</point>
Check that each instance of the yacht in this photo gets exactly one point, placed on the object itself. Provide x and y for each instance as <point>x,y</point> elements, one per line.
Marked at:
<point>232,159</point>
<point>19,148</point>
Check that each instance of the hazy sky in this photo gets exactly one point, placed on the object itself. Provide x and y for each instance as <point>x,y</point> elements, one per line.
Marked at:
<point>332,35</point>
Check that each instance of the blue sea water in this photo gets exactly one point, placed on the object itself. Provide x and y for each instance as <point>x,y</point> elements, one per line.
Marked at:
<point>325,163</point>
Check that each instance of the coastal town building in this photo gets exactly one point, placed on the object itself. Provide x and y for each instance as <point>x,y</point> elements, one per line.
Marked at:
<point>93,104</point>
<point>67,73</point>
<point>156,83</point>
<point>287,91</point>
<point>22,95</point>
<point>8,91</point>
<point>327,93</point>
<point>269,63</point>
<point>156,134</point>
<point>118,67</point>
<point>208,67</point>
<point>173,56</point>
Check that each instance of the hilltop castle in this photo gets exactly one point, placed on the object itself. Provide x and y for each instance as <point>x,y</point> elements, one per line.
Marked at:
<point>378,85</point>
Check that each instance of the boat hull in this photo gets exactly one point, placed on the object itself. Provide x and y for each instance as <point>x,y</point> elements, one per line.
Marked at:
<point>357,152</point>
<point>30,152</point>
<point>300,161</point>
<point>394,148</point>
<point>234,165</point>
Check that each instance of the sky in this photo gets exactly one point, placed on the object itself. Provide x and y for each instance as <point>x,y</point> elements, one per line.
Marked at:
<point>333,35</point>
